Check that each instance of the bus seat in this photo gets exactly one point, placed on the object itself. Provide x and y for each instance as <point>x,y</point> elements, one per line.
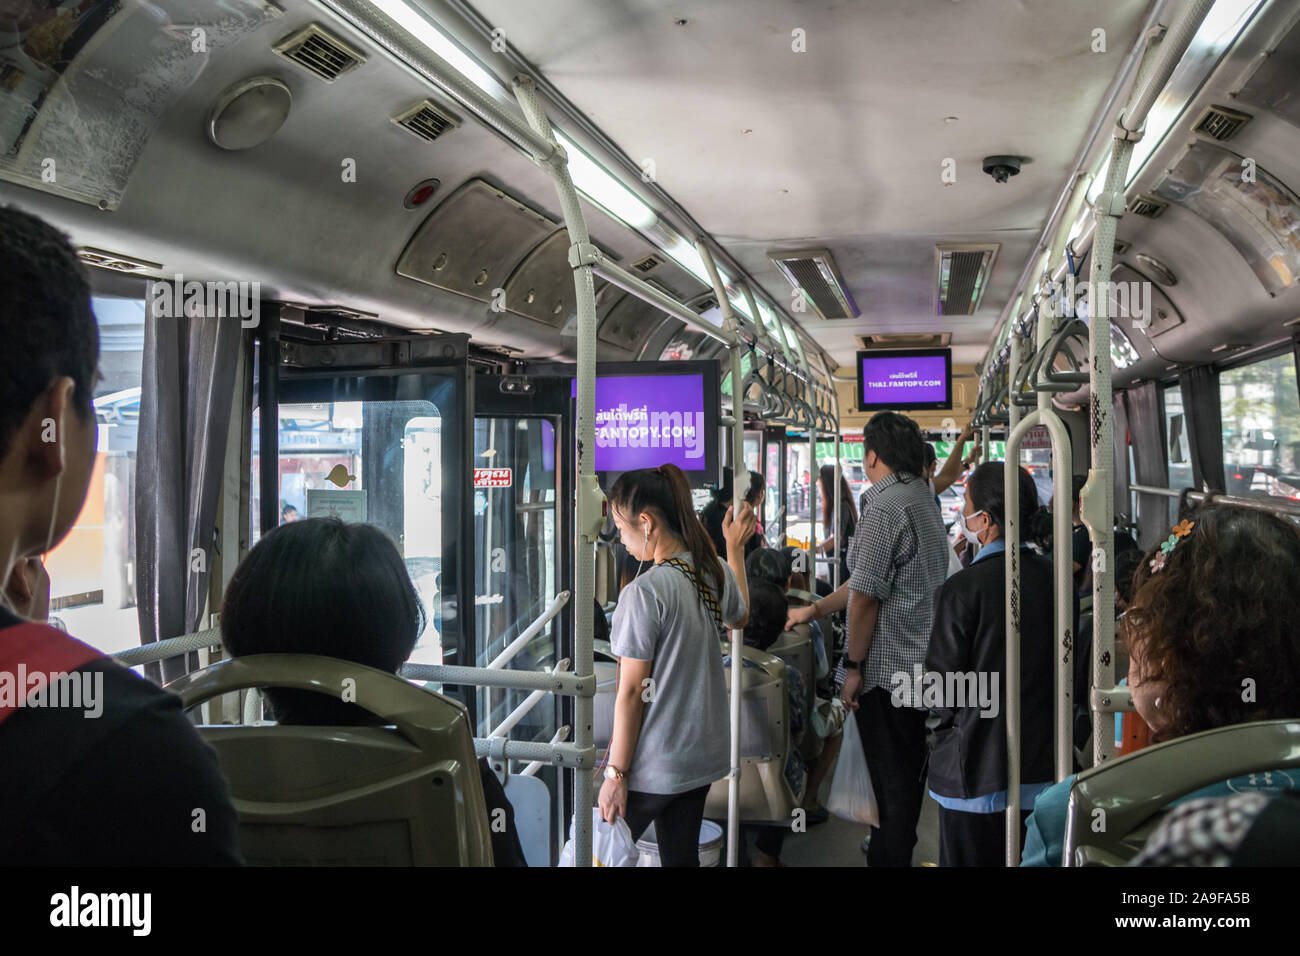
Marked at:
<point>1129,794</point>
<point>765,796</point>
<point>405,795</point>
<point>796,649</point>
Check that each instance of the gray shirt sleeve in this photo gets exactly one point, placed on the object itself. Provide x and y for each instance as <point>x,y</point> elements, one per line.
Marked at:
<point>733,607</point>
<point>634,632</point>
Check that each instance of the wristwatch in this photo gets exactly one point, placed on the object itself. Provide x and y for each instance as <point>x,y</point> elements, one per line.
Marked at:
<point>852,665</point>
<point>613,773</point>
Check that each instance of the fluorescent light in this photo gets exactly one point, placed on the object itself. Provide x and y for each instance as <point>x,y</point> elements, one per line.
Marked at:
<point>415,23</point>
<point>1218,31</point>
<point>603,189</point>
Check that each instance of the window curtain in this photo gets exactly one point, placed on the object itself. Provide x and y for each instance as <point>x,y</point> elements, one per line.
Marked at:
<point>187,389</point>
<point>1200,388</point>
<point>1123,504</point>
<point>1146,425</point>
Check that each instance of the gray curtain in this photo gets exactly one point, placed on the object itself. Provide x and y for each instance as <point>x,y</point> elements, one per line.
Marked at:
<point>187,390</point>
<point>1123,506</point>
<point>1200,388</point>
<point>1146,427</point>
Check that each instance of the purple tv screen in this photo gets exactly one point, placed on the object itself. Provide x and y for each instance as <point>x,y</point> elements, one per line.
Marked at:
<point>644,421</point>
<point>898,380</point>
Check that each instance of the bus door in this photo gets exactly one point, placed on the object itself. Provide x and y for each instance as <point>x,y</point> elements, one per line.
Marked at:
<point>375,431</point>
<point>523,548</point>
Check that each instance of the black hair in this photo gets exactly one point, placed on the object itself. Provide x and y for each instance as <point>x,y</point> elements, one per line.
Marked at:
<point>757,486</point>
<point>826,478</point>
<point>1127,563</point>
<point>767,614</point>
<point>46,321</point>
<point>987,494</point>
<point>665,492</point>
<point>1076,487</point>
<point>319,586</point>
<point>897,442</point>
<point>287,508</point>
<point>930,457</point>
<point>768,564</point>
<point>726,489</point>
<point>600,624</point>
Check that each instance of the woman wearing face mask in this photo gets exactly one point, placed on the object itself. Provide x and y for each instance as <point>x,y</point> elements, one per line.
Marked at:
<point>968,750</point>
<point>671,736</point>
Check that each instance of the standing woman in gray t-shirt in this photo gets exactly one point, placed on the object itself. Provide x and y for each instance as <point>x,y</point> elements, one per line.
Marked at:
<point>671,736</point>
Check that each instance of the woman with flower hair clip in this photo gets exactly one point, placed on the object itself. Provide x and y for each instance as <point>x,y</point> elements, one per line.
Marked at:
<point>1213,641</point>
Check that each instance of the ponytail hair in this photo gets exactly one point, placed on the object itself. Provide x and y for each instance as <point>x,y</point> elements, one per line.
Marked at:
<point>665,493</point>
<point>988,494</point>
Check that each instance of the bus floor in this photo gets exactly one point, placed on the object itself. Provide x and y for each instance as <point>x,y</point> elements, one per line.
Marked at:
<point>839,843</point>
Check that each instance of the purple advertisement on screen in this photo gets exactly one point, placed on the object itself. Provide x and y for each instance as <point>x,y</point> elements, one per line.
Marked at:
<point>644,421</point>
<point>891,380</point>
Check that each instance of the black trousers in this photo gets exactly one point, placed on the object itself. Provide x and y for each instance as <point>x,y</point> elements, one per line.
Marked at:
<point>975,839</point>
<point>677,818</point>
<point>893,739</point>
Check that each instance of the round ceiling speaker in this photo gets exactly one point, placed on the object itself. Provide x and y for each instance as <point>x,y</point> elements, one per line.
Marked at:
<point>1159,271</point>
<point>249,113</point>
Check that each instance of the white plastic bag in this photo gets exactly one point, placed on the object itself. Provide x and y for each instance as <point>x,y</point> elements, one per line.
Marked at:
<point>852,797</point>
<point>611,843</point>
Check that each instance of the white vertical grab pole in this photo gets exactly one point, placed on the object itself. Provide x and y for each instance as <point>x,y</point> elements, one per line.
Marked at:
<point>740,482</point>
<point>590,503</point>
<point>1098,498</point>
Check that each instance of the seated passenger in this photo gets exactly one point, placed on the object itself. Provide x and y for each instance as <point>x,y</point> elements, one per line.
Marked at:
<point>767,612</point>
<point>1211,639</point>
<point>1248,829</point>
<point>133,785</point>
<point>965,668</point>
<point>1126,566</point>
<point>319,586</point>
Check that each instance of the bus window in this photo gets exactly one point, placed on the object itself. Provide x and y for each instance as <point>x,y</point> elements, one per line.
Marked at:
<point>1260,411</point>
<point>324,450</point>
<point>800,493</point>
<point>1179,455</point>
<point>92,571</point>
<point>772,501</point>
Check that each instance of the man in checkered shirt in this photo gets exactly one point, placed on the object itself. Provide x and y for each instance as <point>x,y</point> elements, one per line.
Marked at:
<point>899,559</point>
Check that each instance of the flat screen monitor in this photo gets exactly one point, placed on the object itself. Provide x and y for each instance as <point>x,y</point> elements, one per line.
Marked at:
<point>657,413</point>
<point>904,379</point>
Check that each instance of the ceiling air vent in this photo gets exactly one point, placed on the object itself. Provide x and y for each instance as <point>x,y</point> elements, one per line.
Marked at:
<point>426,121</point>
<point>814,272</point>
<point>961,274</point>
<point>1121,247</point>
<point>322,53</point>
<point>1147,206</point>
<point>647,264</point>
<point>904,340</point>
<point>1219,122</point>
<point>103,259</point>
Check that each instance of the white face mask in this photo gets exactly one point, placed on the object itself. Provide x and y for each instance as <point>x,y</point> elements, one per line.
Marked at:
<point>970,535</point>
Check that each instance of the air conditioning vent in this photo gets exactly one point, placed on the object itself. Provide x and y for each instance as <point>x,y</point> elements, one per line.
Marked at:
<point>1219,122</point>
<point>647,264</point>
<point>1121,247</point>
<point>705,303</point>
<point>426,121</point>
<point>1147,207</point>
<point>103,259</point>
<point>322,53</point>
<point>961,275</point>
<point>813,271</point>
<point>904,340</point>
